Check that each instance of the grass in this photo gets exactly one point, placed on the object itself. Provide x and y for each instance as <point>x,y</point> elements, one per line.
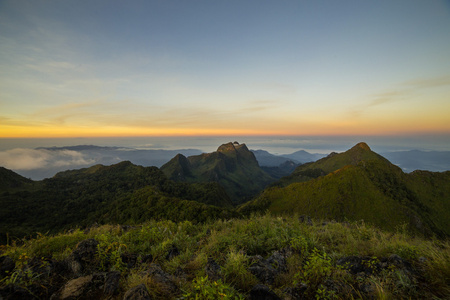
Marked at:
<point>312,266</point>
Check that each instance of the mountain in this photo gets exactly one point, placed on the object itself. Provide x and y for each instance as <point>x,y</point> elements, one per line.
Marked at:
<point>12,181</point>
<point>303,156</point>
<point>331,163</point>
<point>266,159</point>
<point>437,161</point>
<point>360,184</point>
<point>233,166</point>
<point>121,193</point>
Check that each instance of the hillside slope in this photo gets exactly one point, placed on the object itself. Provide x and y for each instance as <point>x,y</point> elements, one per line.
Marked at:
<point>123,193</point>
<point>361,184</point>
<point>233,166</point>
<point>10,181</point>
<point>331,163</point>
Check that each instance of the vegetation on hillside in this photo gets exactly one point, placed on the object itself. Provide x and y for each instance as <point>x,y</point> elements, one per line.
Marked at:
<point>121,193</point>
<point>287,257</point>
<point>368,187</point>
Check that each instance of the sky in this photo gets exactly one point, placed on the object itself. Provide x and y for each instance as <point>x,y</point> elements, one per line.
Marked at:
<point>219,68</point>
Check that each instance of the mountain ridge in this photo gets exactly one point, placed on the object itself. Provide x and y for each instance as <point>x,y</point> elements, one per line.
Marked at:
<point>233,166</point>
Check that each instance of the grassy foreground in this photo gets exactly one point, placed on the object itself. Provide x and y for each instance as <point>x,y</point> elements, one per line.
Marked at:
<point>294,257</point>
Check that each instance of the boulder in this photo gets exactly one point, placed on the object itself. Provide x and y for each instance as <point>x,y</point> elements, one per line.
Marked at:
<point>267,269</point>
<point>138,292</point>
<point>86,287</point>
<point>164,280</point>
<point>262,269</point>
<point>82,259</point>
<point>111,286</point>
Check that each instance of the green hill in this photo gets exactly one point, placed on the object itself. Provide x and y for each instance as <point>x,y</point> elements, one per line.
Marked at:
<point>123,193</point>
<point>361,184</point>
<point>233,166</point>
<point>331,163</point>
<point>11,181</point>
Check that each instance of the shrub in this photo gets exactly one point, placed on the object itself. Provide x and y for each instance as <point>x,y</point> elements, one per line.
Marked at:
<point>203,289</point>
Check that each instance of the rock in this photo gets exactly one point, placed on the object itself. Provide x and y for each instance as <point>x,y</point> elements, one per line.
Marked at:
<point>262,292</point>
<point>164,280</point>
<point>81,261</point>
<point>7,266</point>
<point>400,263</point>
<point>278,259</point>
<point>359,264</point>
<point>138,292</point>
<point>305,219</point>
<point>86,287</point>
<point>267,269</point>
<point>213,270</point>
<point>294,293</point>
<point>262,269</point>
<point>86,250</point>
<point>173,251</point>
<point>129,259</point>
<point>111,284</point>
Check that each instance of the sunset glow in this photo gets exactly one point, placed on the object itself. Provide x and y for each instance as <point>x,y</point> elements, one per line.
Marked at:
<point>173,68</point>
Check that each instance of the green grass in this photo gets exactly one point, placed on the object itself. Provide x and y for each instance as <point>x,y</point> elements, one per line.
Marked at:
<point>232,243</point>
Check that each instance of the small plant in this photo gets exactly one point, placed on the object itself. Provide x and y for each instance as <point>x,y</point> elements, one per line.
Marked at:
<point>300,244</point>
<point>236,270</point>
<point>371,263</point>
<point>408,252</point>
<point>316,269</point>
<point>109,255</point>
<point>324,294</point>
<point>20,277</point>
<point>203,289</point>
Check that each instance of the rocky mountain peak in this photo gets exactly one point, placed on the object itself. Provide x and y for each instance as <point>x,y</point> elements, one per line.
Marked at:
<point>232,147</point>
<point>362,146</point>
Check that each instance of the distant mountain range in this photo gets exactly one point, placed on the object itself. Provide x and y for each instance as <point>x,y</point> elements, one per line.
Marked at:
<point>57,159</point>
<point>44,162</point>
<point>409,161</point>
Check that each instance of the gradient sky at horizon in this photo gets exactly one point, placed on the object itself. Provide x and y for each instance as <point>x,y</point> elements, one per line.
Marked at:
<point>137,68</point>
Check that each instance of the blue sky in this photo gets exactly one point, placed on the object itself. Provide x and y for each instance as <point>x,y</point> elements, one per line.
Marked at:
<point>123,68</point>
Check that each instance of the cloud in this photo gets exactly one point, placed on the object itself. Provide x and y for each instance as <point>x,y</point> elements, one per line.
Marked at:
<point>30,159</point>
<point>428,82</point>
<point>403,91</point>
